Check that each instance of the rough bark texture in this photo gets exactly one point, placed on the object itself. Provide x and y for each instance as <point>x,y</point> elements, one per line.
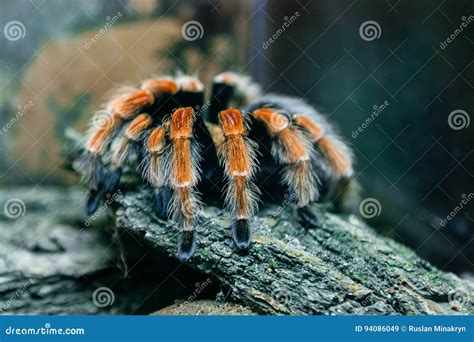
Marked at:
<point>55,260</point>
<point>342,268</point>
<point>204,308</point>
<point>47,264</point>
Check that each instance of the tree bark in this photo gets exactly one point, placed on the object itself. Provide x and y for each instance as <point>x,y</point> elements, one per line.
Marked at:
<point>47,264</point>
<point>342,268</point>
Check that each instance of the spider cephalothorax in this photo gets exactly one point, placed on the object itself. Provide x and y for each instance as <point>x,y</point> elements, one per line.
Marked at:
<point>189,150</point>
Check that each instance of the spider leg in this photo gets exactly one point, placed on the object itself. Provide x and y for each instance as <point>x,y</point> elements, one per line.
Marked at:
<point>344,189</point>
<point>118,111</point>
<point>223,87</point>
<point>110,182</point>
<point>293,150</point>
<point>192,95</point>
<point>100,136</point>
<point>227,87</point>
<point>154,170</point>
<point>238,158</point>
<point>183,160</point>
<point>130,139</point>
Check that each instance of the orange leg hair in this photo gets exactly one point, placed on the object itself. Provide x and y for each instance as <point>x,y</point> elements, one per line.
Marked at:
<point>344,191</point>
<point>184,165</point>
<point>132,133</point>
<point>117,110</point>
<point>292,149</point>
<point>106,123</point>
<point>154,147</point>
<point>237,156</point>
<point>155,170</point>
<point>122,151</point>
<point>339,158</point>
<point>124,107</point>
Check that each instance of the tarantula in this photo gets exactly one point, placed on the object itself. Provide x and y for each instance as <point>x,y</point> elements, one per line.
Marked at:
<point>190,150</point>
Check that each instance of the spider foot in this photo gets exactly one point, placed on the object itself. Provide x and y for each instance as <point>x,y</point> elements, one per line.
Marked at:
<point>308,218</point>
<point>241,234</point>
<point>163,198</point>
<point>113,179</point>
<point>186,244</point>
<point>93,201</point>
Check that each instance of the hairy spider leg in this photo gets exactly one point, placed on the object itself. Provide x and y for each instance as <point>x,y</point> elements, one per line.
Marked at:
<point>183,160</point>
<point>154,170</point>
<point>164,90</point>
<point>293,150</point>
<point>191,94</point>
<point>100,135</point>
<point>344,190</point>
<point>238,158</point>
<point>118,111</point>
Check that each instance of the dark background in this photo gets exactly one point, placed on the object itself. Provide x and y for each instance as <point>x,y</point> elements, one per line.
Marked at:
<point>408,158</point>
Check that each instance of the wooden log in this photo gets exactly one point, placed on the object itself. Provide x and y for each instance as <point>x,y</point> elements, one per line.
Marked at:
<point>345,267</point>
